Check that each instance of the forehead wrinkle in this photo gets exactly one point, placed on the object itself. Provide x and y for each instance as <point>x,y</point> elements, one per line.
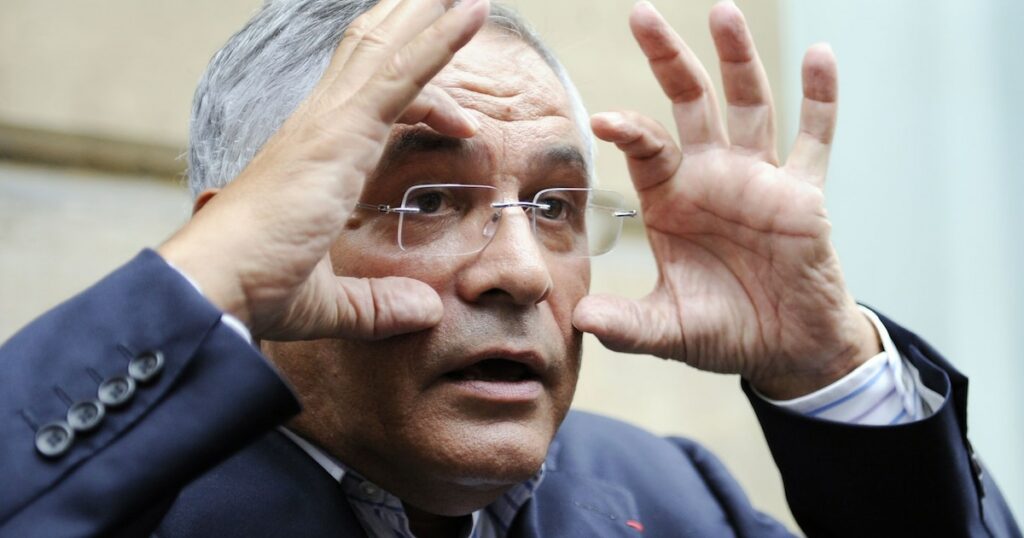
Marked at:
<point>502,77</point>
<point>507,104</point>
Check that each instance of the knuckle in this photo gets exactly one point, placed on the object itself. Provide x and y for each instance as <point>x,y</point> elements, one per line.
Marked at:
<point>398,69</point>
<point>683,94</point>
<point>375,38</point>
<point>357,29</point>
<point>392,70</point>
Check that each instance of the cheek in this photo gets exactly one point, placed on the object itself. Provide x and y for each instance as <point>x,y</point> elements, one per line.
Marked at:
<point>366,253</point>
<point>362,253</point>
<point>571,282</point>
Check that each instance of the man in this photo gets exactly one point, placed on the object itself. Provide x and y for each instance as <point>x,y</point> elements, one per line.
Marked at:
<point>410,249</point>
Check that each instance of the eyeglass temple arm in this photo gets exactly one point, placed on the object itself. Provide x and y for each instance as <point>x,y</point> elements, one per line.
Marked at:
<point>621,213</point>
<point>384,208</point>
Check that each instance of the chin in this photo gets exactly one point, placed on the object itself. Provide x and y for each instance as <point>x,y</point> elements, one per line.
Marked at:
<point>502,453</point>
<point>466,468</point>
<point>502,456</point>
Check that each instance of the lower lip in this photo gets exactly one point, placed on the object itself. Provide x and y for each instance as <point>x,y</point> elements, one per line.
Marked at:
<point>500,391</point>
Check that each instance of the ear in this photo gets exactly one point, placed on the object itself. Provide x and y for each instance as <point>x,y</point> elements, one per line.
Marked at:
<point>204,197</point>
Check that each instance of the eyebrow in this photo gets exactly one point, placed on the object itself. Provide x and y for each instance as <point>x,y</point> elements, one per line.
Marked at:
<point>562,155</point>
<point>415,141</point>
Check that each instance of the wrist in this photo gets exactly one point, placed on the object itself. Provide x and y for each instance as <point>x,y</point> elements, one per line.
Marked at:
<point>212,283</point>
<point>859,342</point>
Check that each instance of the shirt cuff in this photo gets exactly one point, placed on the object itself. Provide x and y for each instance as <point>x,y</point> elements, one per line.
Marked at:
<point>232,322</point>
<point>885,390</point>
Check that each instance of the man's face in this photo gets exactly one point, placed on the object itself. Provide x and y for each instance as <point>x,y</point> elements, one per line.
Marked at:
<point>450,417</point>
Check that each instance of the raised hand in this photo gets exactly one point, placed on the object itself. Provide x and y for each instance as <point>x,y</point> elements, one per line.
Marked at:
<point>749,281</point>
<point>258,249</point>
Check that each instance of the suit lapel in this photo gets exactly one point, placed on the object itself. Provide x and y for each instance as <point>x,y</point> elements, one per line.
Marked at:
<point>570,505</point>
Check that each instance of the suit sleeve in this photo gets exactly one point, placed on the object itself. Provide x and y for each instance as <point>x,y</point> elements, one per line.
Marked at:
<point>916,479</point>
<point>164,421</point>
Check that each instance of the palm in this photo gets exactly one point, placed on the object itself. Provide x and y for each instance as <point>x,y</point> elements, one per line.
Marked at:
<point>749,282</point>
<point>734,238</point>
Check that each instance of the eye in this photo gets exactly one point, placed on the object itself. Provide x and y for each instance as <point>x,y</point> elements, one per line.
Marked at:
<point>560,206</point>
<point>427,202</point>
<point>556,209</point>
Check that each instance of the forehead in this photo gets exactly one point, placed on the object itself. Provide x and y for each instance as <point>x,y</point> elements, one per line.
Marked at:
<point>500,76</point>
<point>525,113</point>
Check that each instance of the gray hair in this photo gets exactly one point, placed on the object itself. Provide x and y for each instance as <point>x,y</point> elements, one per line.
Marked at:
<point>259,77</point>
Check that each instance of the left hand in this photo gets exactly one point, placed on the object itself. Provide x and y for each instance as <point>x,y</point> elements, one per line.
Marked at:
<point>749,280</point>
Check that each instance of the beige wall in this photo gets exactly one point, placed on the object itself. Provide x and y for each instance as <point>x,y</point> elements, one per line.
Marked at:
<point>116,68</point>
<point>124,70</point>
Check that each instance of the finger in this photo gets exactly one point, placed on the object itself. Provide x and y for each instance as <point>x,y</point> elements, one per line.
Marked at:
<point>747,92</point>
<point>682,77</point>
<point>356,30</point>
<point>439,110</point>
<point>651,154</point>
<point>354,33</point>
<point>818,112</point>
<point>401,26</point>
<point>374,308</point>
<point>631,326</point>
<point>409,70</point>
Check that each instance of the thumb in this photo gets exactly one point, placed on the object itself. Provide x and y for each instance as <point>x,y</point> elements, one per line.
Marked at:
<point>374,308</point>
<point>646,326</point>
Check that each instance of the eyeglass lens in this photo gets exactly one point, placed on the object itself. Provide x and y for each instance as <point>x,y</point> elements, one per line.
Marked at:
<point>462,219</point>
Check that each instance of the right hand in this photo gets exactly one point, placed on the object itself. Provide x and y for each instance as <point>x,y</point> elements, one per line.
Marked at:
<point>258,249</point>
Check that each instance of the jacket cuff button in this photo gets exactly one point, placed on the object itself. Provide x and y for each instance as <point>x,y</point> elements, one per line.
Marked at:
<point>54,439</point>
<point>116,391</point>
<point>85,416</point>
<point>146,366</point>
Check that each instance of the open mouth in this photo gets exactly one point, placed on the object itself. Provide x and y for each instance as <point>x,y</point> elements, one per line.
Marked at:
<point>494,370</point>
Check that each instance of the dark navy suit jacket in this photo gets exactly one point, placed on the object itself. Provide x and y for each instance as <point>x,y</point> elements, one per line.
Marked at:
<point>195,452</point>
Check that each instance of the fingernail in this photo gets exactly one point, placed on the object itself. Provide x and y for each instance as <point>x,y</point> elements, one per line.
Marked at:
<point>467,4</point>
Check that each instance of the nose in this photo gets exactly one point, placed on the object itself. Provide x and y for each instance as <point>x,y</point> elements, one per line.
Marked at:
<point>512,268</point>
